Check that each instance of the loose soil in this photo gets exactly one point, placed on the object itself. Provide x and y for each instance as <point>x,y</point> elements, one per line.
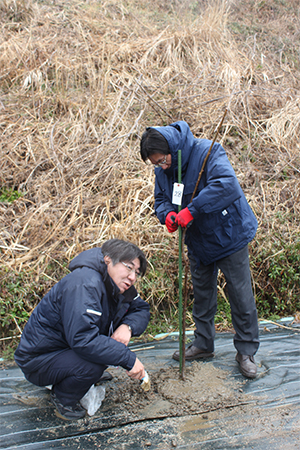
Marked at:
<point>204,388</point>
<point>208,399</point>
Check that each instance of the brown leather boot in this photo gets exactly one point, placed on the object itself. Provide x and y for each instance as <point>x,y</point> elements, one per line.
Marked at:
<point>247,365</point>
<point>192,353</point>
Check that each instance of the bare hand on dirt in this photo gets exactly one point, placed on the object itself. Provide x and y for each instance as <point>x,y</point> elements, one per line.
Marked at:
<point>138,371</point>
<point>122,334</point>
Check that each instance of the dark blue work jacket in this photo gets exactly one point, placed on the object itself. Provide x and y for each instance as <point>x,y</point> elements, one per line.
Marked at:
<point>80,312</point>
<point>223,220</point>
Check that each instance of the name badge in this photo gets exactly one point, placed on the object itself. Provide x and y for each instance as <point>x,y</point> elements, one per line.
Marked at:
<point>177,193</point>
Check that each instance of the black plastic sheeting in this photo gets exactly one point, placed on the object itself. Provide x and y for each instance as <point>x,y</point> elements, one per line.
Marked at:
<point>271,419</point>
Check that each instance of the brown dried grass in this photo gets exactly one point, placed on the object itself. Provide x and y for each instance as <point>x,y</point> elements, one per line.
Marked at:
<point>79,83</point>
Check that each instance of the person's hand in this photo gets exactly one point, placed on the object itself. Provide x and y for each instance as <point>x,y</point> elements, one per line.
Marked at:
<point>138,371</point>
<point>122,334</point>
<point>184,218</point>
<point>170,222</point>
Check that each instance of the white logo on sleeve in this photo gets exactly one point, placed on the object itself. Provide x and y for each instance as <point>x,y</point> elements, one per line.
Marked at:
<point>92,311</point>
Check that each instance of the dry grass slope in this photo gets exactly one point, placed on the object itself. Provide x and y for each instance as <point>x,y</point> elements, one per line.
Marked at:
<point>80,81</point>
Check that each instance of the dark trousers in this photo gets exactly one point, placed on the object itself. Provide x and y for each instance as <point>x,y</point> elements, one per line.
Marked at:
<point>70,375</point>
<point>236,270</point>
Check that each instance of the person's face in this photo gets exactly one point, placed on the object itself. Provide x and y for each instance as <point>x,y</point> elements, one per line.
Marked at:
<point>161,160</point>
<point>124,274</point>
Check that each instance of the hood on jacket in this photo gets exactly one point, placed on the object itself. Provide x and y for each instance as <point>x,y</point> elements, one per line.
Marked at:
<point>179,137</point>
<point>92,258</point>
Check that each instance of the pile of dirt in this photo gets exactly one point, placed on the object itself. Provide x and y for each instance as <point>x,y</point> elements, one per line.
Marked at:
<point>204,388</point>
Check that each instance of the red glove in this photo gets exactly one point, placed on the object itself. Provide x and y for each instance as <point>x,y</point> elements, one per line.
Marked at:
<point>184,218</point>
<point>170,222</point>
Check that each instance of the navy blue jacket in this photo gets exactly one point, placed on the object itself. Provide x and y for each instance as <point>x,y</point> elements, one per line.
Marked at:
<point>80,312</point>
<point>223,220</point>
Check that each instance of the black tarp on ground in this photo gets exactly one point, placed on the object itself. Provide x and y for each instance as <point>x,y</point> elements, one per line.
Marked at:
<point>270,420</point>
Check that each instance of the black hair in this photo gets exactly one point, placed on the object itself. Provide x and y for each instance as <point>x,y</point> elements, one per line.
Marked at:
<point>153,142</point>
<point>122,251</point>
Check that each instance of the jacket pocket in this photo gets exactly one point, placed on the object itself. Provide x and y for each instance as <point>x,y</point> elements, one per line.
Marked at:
<point>221,228</point>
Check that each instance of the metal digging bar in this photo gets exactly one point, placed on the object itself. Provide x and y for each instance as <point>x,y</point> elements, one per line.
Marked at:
<point>181,338</point>
<point>182,308</point>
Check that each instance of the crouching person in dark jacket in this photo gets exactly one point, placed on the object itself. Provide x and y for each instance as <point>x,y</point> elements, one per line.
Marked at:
<point>84,324</point>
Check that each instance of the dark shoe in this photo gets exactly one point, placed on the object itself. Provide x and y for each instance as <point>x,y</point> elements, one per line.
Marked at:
<point>67,412</point>
<point>192,353</point>
<point>106,376</point>
<point>247,365</point>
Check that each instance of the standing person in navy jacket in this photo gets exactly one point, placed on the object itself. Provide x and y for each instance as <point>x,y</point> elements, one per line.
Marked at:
<point>84,324</point>
<point>219,225</point>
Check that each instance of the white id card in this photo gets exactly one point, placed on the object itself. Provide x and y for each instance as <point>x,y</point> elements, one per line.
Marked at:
<point>177,193</point>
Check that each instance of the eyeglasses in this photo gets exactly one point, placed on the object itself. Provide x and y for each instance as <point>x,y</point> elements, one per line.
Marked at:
<point>131,269</point>
<point>161,163</point>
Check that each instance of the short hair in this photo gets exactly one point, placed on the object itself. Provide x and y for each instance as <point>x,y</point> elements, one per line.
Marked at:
<point>153,142</point>
<point>122,251</point>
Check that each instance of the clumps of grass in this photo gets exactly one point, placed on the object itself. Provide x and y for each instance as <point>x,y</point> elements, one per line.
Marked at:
<point>278,278</point>
<point>9,195</point>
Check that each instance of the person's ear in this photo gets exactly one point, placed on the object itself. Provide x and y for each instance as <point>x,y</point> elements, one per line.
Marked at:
<point>107,260</point>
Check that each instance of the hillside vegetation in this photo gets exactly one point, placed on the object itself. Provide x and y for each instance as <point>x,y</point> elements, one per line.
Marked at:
<point>79,83</point>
